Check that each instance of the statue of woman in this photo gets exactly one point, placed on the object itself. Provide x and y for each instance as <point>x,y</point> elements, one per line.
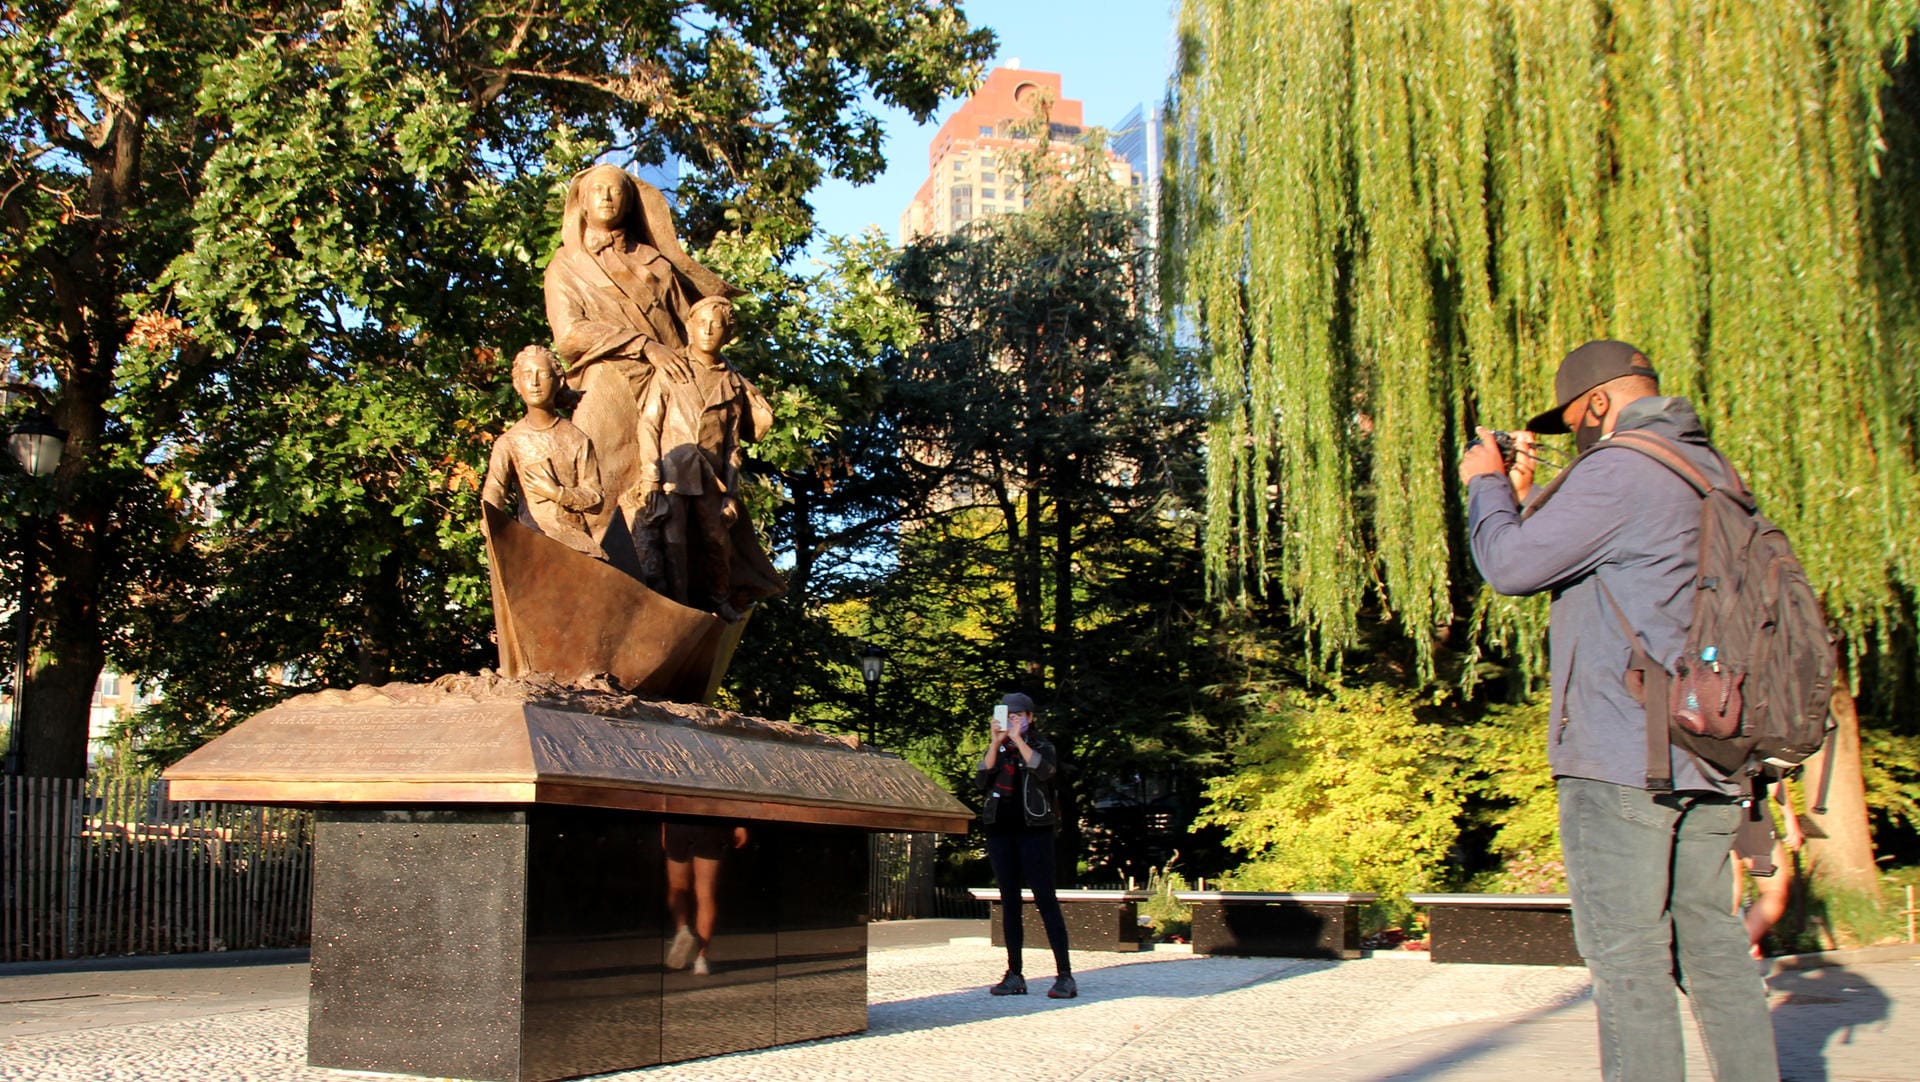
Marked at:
<point>618,293</point>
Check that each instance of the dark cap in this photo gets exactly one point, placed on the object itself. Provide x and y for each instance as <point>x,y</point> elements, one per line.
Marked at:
<point>1583,370</point>
<point>1016,703</point>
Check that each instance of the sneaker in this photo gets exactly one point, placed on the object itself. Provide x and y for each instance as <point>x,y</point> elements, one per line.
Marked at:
<point>682,948</point>
<point>700,966</point>
<point>1063,987</point>
<point>1013,984</point>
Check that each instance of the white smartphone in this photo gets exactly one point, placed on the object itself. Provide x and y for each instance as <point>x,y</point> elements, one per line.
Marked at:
<point>1000,717</point>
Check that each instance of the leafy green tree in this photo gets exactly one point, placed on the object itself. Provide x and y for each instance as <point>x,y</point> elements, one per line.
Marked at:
<point>815,344</point>
<point>1048,459</point>
<point>266,259</point>
<point>1389,222</point>
<point>1347,790</point>
<point>1510,797</point>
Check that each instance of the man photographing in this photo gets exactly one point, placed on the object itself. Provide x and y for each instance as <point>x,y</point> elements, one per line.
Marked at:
<point>1615,540</point>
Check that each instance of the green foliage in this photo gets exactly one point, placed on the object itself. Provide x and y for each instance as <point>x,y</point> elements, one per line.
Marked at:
<point>1346,790</point>
<point>1389,222</point>
<point>1890,764</point>
<point>1170,916</point>
<point>1831,917</point>
<point>1510,793</point>
<point>1041,453</point>
<point>269,261</point>
<point>815,345</point>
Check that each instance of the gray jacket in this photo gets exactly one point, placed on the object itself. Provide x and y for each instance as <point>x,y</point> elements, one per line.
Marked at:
<point>1623,519</point>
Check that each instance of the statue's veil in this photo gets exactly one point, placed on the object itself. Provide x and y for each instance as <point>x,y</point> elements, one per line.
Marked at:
<point>649,219</point>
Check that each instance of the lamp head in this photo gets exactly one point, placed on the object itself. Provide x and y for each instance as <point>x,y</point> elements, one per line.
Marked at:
<point>37,444</point>
<point>873,662</point>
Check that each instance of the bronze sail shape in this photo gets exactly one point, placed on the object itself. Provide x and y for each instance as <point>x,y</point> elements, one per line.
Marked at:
<point>567,614</point>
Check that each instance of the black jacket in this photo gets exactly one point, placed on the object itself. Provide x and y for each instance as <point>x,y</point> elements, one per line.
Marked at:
<point>1032,786</point>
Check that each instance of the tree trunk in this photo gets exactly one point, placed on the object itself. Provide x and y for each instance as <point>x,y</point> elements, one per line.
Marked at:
<point>801,487</point>
<point>1839,843</point>
<point>57,702</point>
<point>1066,674</point>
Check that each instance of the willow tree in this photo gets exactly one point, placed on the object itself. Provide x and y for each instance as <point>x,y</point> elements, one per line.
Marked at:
<point>1389,222</point>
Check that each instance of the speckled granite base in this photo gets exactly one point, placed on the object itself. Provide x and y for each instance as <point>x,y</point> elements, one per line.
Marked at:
<point>1091,925</point>
<point>1494,936</point>
<point>532,944</point>
<point>1277,929</point>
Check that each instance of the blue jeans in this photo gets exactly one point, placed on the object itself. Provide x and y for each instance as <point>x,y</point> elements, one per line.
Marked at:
<point>1651,878</point>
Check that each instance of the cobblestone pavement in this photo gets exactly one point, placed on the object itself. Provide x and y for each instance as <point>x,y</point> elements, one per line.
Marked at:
<point>1149,1016</point>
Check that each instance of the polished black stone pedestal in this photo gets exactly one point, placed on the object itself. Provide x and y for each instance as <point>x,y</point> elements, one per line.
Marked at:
<point>501,867</point>
<point>1096,920</point>
<point>1276,925</point>
<point>524,944</point>
<point>1500,929</point>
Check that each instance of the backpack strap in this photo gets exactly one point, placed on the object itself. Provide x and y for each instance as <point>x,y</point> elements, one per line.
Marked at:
<point>1652,691</point>
<point>1667,453</point>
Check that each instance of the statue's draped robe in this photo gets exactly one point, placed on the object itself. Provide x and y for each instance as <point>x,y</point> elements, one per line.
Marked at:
<point>616,306</point>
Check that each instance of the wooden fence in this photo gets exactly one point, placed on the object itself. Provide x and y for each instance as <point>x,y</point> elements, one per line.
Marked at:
<point>107,865</point>
<point>900,881</point>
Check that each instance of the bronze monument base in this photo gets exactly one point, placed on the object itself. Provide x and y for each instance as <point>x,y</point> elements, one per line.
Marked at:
<point>520,882</point>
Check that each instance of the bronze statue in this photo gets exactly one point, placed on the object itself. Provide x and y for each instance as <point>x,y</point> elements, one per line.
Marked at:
<point>618,293</point>
<point>691,434</point>
<point>639,560</point>
<point>544,461</point>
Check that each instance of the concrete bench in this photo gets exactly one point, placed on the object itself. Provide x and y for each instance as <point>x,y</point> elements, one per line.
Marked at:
<point>1500,929</point>
<point>1275,924</point>
<point>1097,920</point>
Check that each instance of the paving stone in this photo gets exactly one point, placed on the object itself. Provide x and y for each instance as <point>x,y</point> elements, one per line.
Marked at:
<point>1140,1018</point>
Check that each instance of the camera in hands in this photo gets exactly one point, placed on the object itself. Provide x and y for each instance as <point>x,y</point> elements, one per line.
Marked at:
<point>1504,441</point>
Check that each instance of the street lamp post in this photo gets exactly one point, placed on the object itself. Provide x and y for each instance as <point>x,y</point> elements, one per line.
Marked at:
<point>873,663</point>
<point>36,444</point>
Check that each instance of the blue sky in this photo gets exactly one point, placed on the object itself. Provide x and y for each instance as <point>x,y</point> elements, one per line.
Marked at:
<point>1111,54</point>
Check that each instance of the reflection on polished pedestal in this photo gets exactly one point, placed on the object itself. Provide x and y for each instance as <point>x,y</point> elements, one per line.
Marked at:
<point>502,873</point>
<point>538,944</point>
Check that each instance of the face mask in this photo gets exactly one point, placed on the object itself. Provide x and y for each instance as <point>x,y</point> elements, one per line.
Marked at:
<point>1587,433</point>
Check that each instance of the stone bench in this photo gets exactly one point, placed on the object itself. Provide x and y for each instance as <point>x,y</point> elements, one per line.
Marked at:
<point>1499,929</point>
<point>1097,920</point>
<point>1275,924</point>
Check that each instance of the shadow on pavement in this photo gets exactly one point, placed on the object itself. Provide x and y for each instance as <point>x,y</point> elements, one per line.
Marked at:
<point>1817,1009</point>
<point>1103,984</point>
<point>122,963</point>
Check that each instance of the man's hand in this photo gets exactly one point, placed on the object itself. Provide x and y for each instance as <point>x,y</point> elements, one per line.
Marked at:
<point>1482,457</point>
<point>1523,465</point>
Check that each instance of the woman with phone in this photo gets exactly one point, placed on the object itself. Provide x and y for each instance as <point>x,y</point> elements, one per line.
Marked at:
<point>1019,818</point>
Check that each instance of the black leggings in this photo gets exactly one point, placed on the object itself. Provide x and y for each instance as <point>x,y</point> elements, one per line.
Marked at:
<point>1029,856</point>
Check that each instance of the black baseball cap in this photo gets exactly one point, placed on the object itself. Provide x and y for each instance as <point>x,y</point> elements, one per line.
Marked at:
<point>1583,370</point>
<point>1016,703</point>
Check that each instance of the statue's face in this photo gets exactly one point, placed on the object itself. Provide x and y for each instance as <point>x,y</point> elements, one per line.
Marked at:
<point>707,329</point>
<point>606,198</point>
<point>536,382</point>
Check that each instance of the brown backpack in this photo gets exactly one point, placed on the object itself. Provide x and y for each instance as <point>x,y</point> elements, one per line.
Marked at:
<point>1750,689</point>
